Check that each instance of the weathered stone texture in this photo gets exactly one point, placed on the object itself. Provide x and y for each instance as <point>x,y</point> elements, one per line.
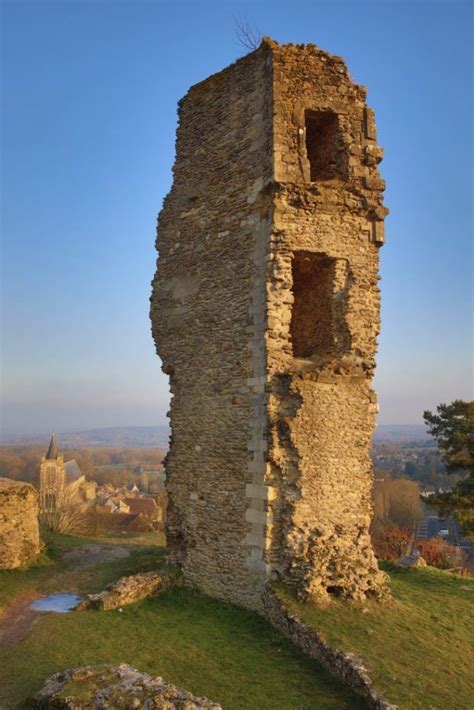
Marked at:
<point>19,532</point>
<point>208,278</point>
<point>265,312</point>
<point>112,687</point>
<point>131,589</point>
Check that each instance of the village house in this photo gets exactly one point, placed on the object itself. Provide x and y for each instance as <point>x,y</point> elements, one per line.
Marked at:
<point>131,509</point>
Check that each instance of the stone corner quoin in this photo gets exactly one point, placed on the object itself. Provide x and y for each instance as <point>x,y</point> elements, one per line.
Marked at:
<point>265,313</point>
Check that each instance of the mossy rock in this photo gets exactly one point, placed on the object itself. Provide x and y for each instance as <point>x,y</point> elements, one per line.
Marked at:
<point>114,686</point>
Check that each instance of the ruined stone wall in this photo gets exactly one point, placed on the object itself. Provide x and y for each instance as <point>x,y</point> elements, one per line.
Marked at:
<point>324,300</point>
<point>265,312</point>
<point>19,532</point>
<point>207,311</point>
<point>348,667</point>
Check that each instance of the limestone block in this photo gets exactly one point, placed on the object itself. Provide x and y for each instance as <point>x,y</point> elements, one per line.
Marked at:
<point>261,492</point>
<point>258,516</point>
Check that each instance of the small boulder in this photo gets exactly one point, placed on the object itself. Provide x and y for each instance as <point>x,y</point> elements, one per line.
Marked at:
<point>112,687</point>
<point>412,561</point>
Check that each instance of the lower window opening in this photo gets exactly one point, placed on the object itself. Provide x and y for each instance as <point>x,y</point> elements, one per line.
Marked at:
<point>311,326</point>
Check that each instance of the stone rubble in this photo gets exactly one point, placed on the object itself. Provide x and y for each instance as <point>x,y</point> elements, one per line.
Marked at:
<point>129,590</point>
<point>113,687</point>
<point>347,667</point>
<point>412,561</point>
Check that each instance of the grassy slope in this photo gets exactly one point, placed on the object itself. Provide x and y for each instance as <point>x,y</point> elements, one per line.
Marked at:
<point>230,655</point>
<point>420,651</point>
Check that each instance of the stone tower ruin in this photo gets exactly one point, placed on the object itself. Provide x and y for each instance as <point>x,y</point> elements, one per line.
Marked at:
<point>265,313</point>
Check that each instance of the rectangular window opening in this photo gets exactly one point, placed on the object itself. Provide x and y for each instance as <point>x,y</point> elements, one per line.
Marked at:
<point>325,146</point>
<point>312,326</point>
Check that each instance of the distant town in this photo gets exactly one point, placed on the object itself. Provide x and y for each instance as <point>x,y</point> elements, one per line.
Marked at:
<point>89,490</point>
<point>112,480</point>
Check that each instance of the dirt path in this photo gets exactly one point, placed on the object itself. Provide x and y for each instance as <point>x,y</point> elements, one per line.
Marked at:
<point>92,553</point>
<point>18,616</point>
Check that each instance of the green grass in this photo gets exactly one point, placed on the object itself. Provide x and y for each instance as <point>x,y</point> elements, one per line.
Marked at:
<point>228,654</point>
<point>419,652</point>
<point>17,582</point>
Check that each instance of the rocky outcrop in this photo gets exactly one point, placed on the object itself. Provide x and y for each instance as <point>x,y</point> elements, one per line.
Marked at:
<point>347,667</point>
<point>20,540</point>
<point>117,686</point>
<point>128,590</point>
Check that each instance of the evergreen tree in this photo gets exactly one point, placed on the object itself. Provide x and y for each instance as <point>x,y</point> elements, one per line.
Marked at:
<point>453,429</point>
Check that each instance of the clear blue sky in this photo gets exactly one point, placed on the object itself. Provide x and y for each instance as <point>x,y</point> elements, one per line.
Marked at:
<point>90,91</point>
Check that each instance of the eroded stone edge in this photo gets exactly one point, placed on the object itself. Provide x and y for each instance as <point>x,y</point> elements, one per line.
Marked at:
<point>347,667</point>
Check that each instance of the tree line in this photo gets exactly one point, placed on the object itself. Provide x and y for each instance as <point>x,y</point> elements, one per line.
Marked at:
<point>21,462</point>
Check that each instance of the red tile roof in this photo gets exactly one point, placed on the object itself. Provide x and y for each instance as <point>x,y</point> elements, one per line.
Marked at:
<point>146,506</point>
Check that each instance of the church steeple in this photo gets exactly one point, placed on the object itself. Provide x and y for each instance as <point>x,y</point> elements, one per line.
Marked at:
<point>52,478</point>
<point>53,449</point>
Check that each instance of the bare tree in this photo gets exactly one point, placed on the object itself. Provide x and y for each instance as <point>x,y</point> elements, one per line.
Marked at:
<point>67,515</point>
<point>247,35</point>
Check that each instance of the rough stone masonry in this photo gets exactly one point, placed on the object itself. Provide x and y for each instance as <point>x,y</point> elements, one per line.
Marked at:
<point>20,540</point>
<point>265,313</point>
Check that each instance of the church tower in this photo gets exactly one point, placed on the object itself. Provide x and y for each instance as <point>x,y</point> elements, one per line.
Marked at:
<point>52,477</point>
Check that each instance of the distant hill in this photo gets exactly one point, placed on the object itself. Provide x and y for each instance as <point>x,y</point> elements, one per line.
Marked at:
<point>401,432</point>
<point>127,437</point>
<point>157,436</point>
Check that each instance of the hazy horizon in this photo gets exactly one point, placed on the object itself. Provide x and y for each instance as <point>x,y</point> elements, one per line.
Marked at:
<point>130,436</point>
<point>90,95</point>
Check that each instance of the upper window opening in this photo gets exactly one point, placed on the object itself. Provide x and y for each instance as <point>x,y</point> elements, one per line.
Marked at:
<point>325,146</point>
